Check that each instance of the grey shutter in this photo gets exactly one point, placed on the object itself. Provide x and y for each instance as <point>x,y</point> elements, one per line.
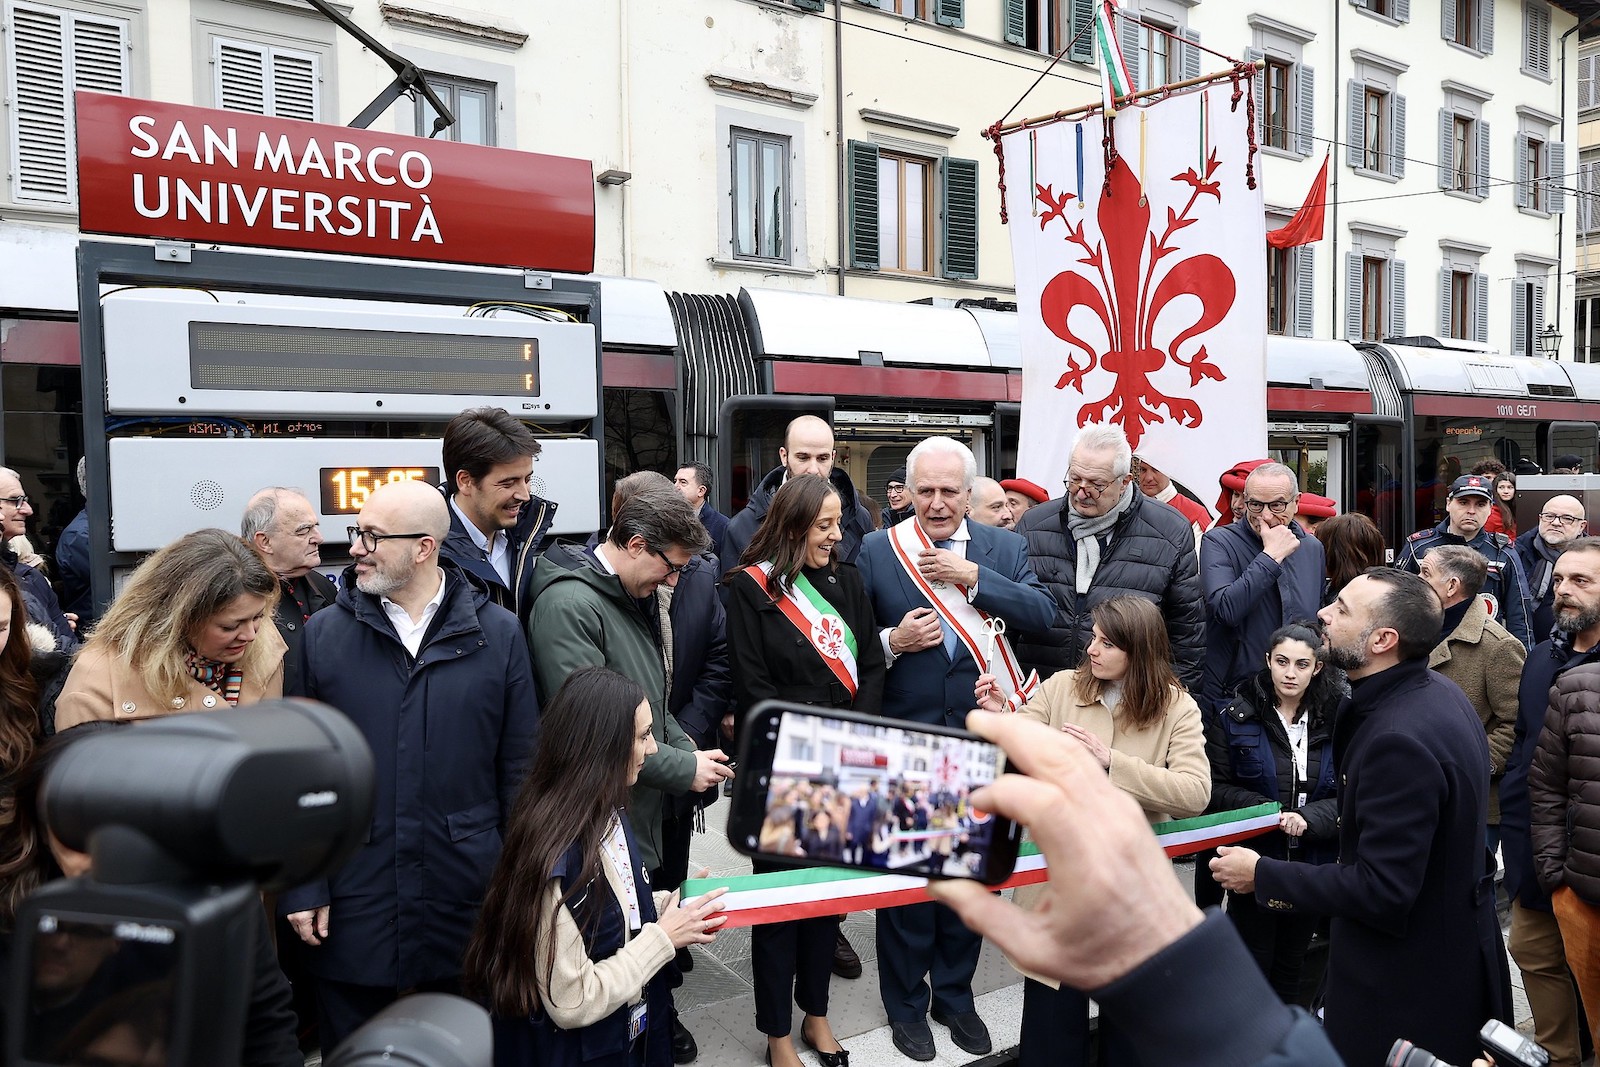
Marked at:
<point>1519,317</point>
<point>1480,308</point>
<point>1444,300</point>
<point>1396,157</point>
<point>1537,289</point>
<point>1485,40</point>
<point>1401,10</point>
<point>1352,296</point>
<point>1523,176</point>
<point>1304,301</point>
<point>1555,186</point>
<point>1082,41</point>
<point>1586,82</point>
<point>1447,146</point>
<point>294,85</point>
<point>958,191</point>
<point>1481,178</point>
<point>1014,22</point>
<point>1355,149</point>
<point>1259,86</point>
<point>1396,324</point>
<point>950,12</point>
<point>1305,91</point>
<point>1191,54</point>
<point>809,5</point>
<point>240,76</point>
<point>1129,30</point>
<point>1536,41</point>
<point>862,179</point>
<point>1447,22</point>
<point>52,53</point>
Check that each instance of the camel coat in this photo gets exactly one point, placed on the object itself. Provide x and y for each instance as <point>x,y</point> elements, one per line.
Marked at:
<point>100,688</point>
<point>1484,659</point>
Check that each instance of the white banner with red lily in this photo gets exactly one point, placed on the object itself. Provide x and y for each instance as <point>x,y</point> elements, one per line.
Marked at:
<point>809,892</point>
<point>1142,299</point>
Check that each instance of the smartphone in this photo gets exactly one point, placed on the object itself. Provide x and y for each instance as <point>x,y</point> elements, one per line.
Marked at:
<point>1510,1048</point>
<point>819,787</point>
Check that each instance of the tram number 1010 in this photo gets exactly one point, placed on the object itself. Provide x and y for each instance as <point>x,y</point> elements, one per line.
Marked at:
<point>345,489</point>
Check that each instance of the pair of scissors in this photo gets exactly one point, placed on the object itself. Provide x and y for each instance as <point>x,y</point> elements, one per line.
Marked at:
<point>993,628</point>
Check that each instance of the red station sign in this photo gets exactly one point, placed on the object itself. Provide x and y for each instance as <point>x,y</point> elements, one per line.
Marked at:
<point>152,169</point>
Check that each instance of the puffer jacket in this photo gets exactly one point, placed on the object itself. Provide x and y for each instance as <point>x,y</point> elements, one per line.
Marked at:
<point>1151,555</point>
<point>1564,786</point>
<point>855,524</point>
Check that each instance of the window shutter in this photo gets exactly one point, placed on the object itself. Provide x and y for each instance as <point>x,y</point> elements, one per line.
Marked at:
<point>1191,53</point>
<point>1480,308</point>
<point>1304,303</point>
<point>1536,41</point>
<point>241,76</point>
<point>1401,10</point>
<point>862,178</point>
<point>1129,31</point>
<point>1444,300</point>
<point>294,85</point>
<point>1352,296</point>
<point>1356,101</point>
<point>1397,299</point>
<point>809,5</point>
<point>1397,135</point>
<point>1082,47</point>
<point>1447,22</point>
<point>1305,91</point>
<point>1447,146</point>
<point>1522,171</point>
<point>1519,317</point>
<point>1259,87</point>
<point>1586,82</point>
<point>1537,289</point>
<point>1555,186</point>
<point>1480,130</point>
<point>958,191</point>
<point>1485,26</point>
<point>99,55</point>
<point>1014,17</point>
<point>950,13</point>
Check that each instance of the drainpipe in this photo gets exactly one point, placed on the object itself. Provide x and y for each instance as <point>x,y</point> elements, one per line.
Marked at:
<point>838,138</point>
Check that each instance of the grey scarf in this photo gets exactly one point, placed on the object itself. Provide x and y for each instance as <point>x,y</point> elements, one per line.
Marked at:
<point>1086,533</point>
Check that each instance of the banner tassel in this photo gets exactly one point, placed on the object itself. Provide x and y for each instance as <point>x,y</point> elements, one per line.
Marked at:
<point>1078,129</point>
<point>1144,144</point>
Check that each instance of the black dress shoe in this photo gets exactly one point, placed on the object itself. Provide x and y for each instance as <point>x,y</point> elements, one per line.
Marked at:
<point>827,1059</point>
<point>684,1050</point>
<point>846,964</point>
<point>967,1031</point>
<point>913,1038</point>
<point>685,960</point>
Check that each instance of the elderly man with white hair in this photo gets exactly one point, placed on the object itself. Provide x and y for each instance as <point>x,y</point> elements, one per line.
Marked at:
<point>1104,539</point>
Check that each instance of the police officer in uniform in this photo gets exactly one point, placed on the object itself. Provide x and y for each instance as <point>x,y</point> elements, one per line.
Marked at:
<point>1466,511</point>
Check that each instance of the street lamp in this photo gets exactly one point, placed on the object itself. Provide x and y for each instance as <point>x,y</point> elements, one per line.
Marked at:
<point>1549,341</point>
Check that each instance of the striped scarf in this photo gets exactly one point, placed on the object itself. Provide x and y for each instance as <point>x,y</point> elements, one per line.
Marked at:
<point>223,678</point>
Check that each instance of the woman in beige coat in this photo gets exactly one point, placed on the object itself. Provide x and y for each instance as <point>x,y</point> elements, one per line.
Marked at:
<point>1129,710</point>
<point>191,631</point>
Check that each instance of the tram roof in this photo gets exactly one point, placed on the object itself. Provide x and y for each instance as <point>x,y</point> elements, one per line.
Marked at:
<point>791,325</point>
<point>1480,373</point>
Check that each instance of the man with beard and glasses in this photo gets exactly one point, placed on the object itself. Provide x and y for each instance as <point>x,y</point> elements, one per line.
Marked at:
<point>1535,941</point>
<point>1564,776</point>
<point>1415,949</point>
<point>437,679</point>
<point>1561,521</point>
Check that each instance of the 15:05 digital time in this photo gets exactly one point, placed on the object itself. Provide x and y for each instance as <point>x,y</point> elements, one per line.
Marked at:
<point>344,490</point>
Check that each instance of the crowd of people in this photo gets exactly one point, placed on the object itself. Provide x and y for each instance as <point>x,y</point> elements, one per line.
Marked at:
<point>548,720</point>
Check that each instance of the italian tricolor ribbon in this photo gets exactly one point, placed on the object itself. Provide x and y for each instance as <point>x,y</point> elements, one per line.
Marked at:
<point>817,620</point>
<point>909,540</point>
<point>810,892</point>
<point>1115,82</point>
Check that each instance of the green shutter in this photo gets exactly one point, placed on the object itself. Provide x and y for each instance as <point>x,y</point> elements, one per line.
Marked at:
<point>1015,22</point>
<point>1082,48</point>
<point>809,5</point>
<point>958,190</point>
<point>862,179</point>
<point>950,12</point>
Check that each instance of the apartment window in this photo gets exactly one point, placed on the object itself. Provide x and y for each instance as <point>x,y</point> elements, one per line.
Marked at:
<point>911,9</point>
<point>1155,53</point>
<point>1276,85</point>
<point>905,213</point>
<point>760,194</point>
<point>1465,21</point>
<point>1375,289</point>
<point>471,102</point>
<point>1536,40</point>
<point>1399,10</point>
<point>50,53</point>
<point>1461,135</point>
<point>1463,153</point>
<point>1373,271</point>
<point>1586,322</point>
<point>264,79</point>
<point>1535,163</point>
<point>1376,116</point>
<point>1589,81</point>
<point>1460,304</point>
<point>1589,198</point>
<point>1377,140</point>
<point>1285,93</point>
<point>1468,23</point>
<point>910,213</point>
<point>1527,315</point>
<point>1279,285</point>
<point>1048,26</point>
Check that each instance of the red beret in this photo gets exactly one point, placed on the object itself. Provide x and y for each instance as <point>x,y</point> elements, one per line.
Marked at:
<point>1026,488</point>
<point>1232,481</point>
<point>1318,507</point>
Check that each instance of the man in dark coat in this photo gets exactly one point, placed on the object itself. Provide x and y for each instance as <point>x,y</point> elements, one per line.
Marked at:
<point>1561,521</point>
<point>72,558</point>
<point>1258,572</point>
<point>497,525</point>
<point>1107,539</point>
<point>899,507</point>
<point>807,449</point>
<point>282,526</point>
<point>1535,940</point>
<point>694,482</point>
<point>931,679</point>
<point>1415,949</point>
<point>438,681</point>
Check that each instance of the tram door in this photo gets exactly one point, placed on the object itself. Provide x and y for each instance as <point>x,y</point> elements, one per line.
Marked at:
<point>872,444</point>
<point>749,433</point>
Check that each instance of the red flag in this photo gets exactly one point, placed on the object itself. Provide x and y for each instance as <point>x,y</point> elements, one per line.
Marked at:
<point>1306,226</point>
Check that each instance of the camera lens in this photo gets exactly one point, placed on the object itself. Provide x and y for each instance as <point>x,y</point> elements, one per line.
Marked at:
<point>1405,1054</point>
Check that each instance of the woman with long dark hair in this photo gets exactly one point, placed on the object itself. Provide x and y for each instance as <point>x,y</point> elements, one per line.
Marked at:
<point>19,690</point>
<point>1124,705</point>
<point>1275,744</point>
<point>800,628</point>
<point>570,943</point>
<point>1350,544</point>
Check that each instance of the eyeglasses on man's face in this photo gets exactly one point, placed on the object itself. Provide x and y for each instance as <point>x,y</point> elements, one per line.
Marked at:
<point>672,568</point>
<point>369,539</point>
<point>1078,483</point>
<point>19,501</point>
<point>1277,507</point>
<point>1559,520</point>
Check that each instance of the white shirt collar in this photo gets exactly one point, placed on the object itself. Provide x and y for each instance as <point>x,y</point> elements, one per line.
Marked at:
<point>479,538</point>
<point>599,554</point>
<point>427,609</point>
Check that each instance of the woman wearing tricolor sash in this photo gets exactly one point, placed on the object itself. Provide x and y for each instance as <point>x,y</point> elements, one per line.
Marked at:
<point>800,628</point>
<point>1125,706</point>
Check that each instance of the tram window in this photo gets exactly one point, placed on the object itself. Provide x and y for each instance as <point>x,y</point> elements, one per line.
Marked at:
<point>1307,457</point>
<point>1448,448</point>
<point>750,432</point>
<point>1379,479</point>
<point>43,423</point>
<point>1574,439</point>
<point>640,433</point>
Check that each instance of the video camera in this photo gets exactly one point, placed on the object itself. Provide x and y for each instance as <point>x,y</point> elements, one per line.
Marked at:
<point>149,958</point>
<point>1509,1049</point>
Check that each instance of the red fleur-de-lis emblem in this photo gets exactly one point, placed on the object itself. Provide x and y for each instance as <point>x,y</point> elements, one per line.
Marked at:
<point>1131,279</point>
<point>827,633</point>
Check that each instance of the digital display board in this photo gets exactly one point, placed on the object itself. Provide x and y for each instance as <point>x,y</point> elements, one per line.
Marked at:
<point>344,490</point>
<point>319,359</point>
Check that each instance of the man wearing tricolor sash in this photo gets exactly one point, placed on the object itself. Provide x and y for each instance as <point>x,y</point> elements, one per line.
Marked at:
<point>945,592</point>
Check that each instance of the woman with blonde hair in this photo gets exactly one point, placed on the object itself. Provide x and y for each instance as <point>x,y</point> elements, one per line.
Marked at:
<point>191,631</point>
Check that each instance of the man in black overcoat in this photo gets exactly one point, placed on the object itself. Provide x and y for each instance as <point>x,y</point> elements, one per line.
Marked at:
<point>1415,949</point>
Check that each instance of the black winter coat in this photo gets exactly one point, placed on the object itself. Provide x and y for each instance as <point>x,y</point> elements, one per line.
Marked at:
<point>855,525</point>
<point>1416,947</point>
<point>1151,555</point>
<point>1564,786</point>
<point>526,541</point>
<point>302,598</point>
<point>702,680</point>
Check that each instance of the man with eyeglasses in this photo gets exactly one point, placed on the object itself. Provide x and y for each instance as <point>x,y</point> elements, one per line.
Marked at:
<point>281,524</point>
<point>37,596</point>
<point>1466,510</point>
<point>436,678</point>
<point>1259,572</point>
<point>1561,521</point>
<point>1104,539</point>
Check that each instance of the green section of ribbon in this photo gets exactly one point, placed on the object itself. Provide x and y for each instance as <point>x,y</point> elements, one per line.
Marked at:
<point>1200,822</point>
<point>822,607</point>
